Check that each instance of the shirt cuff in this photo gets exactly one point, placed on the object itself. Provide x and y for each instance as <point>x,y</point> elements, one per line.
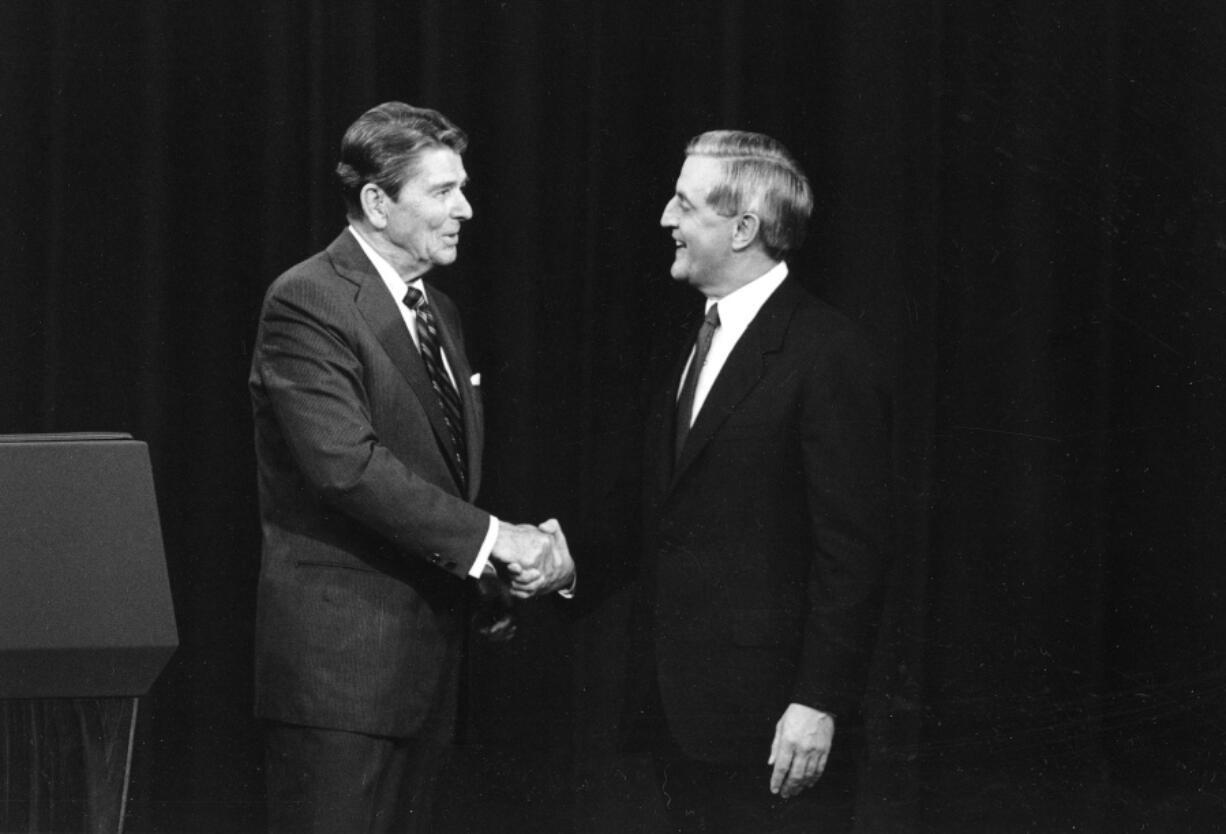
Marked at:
<point>487,547</point>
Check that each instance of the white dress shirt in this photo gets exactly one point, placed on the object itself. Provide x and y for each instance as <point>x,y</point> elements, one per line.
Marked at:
<point>736,310</point>
<point>398,288</point>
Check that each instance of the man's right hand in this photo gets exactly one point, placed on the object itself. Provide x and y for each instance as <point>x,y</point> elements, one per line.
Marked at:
<point>530,557</point>
<point>524,551</point>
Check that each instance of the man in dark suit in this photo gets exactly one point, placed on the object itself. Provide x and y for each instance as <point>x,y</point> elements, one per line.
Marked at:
<point>368,437</point>
<point>765,513</point>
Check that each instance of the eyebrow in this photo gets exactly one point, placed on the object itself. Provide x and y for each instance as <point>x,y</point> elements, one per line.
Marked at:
<point>450,182</point>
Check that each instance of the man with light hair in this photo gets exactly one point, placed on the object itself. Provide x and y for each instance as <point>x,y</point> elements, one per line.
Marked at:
<point>765,513</point>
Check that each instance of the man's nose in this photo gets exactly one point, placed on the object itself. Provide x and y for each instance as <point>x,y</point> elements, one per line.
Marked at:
<point>669,217</point>
<point>462,210</point>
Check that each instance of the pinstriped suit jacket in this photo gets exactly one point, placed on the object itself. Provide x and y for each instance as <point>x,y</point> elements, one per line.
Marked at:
<point>366,535</point>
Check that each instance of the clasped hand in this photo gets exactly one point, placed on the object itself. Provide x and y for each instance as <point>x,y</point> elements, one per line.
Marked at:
<point>536,558</point>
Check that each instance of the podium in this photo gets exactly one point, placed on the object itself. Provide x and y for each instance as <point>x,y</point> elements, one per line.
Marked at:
<point>86,624</point>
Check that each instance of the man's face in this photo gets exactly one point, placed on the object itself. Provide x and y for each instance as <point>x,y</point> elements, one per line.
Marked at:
<point>423,221</point>
<point>703,237</point>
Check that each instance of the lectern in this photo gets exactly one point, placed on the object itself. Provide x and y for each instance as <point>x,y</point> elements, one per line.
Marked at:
<point>86,622</point>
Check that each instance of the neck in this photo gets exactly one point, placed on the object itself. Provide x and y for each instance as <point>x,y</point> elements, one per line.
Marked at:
<point>744,269</point>
<point>408,269</point>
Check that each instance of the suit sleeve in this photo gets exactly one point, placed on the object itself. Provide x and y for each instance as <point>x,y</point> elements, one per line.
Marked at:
<point>845,443</point>
<point>313,381</point>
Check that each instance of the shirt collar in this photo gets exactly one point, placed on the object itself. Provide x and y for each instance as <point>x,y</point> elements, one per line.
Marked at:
<point>395,284</point>
<point>737,308</point>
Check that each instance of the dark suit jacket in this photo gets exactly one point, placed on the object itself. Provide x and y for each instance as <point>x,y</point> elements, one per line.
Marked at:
<point>764,544</point>
<point>366,535</point>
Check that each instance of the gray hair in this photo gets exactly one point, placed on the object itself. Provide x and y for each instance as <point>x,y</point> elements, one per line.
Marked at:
<point>760,175</point>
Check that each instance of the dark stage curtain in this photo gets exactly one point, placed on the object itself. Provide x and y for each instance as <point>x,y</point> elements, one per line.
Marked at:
<point>1023,203</point>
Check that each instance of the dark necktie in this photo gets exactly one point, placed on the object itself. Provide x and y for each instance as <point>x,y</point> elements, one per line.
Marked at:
<point>685,403</point>
<point>448,397</point>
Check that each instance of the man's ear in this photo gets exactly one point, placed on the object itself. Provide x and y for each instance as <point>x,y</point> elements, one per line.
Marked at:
<point>374,205</point>
<point>748,227</point>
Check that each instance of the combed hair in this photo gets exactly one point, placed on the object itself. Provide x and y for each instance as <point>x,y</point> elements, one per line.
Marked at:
<point>760,175</point>
<point>384,145</point>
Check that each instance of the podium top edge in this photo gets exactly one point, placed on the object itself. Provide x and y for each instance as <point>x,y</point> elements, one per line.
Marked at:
<point>65,437</point>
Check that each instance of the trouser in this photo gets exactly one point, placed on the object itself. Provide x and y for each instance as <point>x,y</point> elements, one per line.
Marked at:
<point>732,799</point>
<point>336,782</point>
<point>735,798</point>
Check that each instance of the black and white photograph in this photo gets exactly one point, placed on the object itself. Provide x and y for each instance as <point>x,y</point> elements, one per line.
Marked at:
<point>449,416</point>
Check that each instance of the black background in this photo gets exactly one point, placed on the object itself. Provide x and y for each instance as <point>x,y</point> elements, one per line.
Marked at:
<point>1022,202</point>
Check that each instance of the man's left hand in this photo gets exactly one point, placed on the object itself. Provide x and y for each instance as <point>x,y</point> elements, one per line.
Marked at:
<point>495,615</point>
<point>803,737</point>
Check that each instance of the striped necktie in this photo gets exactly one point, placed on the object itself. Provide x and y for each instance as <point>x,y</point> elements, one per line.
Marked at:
<point>448,397</point>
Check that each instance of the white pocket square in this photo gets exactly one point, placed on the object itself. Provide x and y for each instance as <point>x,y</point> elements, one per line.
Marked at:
<point>475,379</point>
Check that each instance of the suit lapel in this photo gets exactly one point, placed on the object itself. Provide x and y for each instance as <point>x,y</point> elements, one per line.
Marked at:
<point>741,373</point>
<point>379,309</point>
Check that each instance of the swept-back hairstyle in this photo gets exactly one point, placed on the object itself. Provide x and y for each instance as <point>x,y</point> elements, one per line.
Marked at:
<point>384,145</point>
<point>759,175</point>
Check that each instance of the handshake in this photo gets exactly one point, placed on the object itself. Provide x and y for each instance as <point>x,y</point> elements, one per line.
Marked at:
<point>533,560</point>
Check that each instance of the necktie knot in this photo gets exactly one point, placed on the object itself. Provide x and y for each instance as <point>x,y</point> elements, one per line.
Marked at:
<point>415,298</point>
<point>712,318</point>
